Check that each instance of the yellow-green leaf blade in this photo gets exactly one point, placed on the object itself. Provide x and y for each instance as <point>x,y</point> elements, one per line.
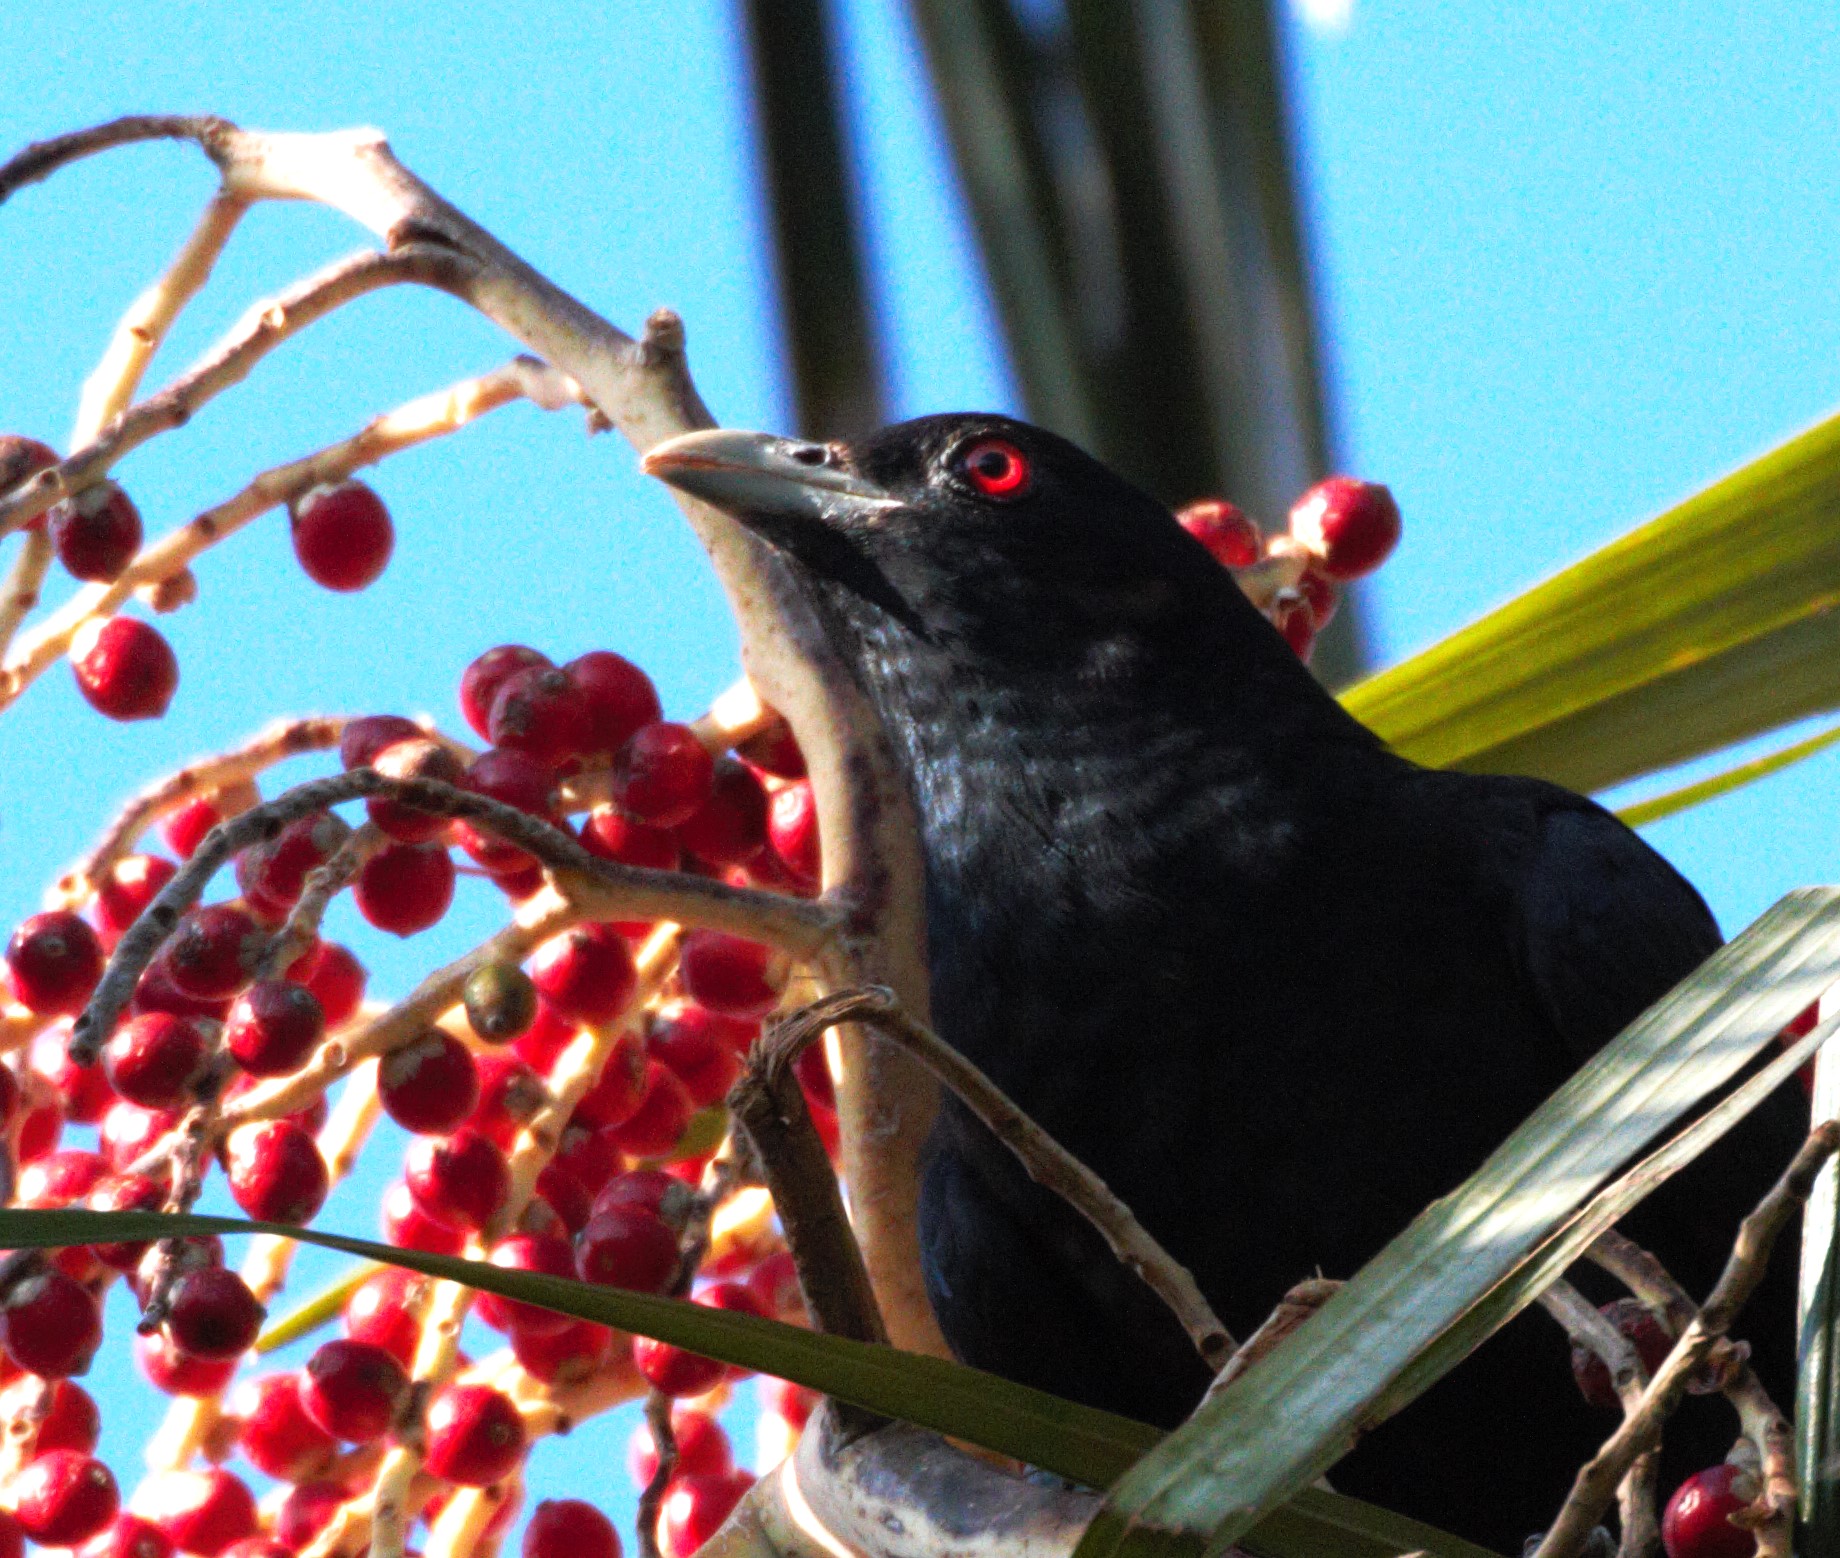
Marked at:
<point>1709,624</point>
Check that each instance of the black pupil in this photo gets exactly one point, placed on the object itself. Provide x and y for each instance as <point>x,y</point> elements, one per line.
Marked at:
<point>993,464</point>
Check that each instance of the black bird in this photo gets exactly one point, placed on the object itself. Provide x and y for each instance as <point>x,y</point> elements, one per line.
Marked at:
<point>1278,986</point>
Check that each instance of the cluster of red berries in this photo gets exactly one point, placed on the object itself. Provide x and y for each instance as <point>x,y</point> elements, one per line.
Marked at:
<point>1340,529</point>
<point>209,1020</point>
<point>1697,1521</point>
<point>124,667</point>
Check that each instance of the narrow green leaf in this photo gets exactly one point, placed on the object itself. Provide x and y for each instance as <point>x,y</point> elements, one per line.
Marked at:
<point>321,1309</point>
<point>1709,624</point>
<point>1439,1289</point>
<point>1059,1436</point>
<point>1735,778</point>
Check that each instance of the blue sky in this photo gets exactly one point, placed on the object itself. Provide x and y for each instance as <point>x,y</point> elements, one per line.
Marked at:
<point>1574,260</point>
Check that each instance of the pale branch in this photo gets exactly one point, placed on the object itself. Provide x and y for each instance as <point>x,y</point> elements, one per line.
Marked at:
<point>261,330</point>
<point>866,821</point>
<point>25,582</point>
<point>43,158</point>
<point>1639,1271</point>
<point>240,765</point>
<point>109,390</point>
<point>609,889</point>
<point>427,417</point>
<point>1596,1482</point>
<point>1638,1501</point>
<point>1047,1162</point>
<point>1771,1516</point>
<point>1292,1310</point>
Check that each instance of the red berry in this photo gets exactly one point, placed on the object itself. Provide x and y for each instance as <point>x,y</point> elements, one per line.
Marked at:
<point>275,1171</point>
<point>405,888</point>
<point>520,883</point>
<point>509,1094</point>
<point>129,1536</point>
<point>695,1508</point>
<point>177,1373</point>
<point>480,681</point>
<point>572,1354</point>
<point>652,1190</point>
<point>155,1059</point>
<point>814,1073</point>
<point>184,829</point>
<point>658,1124</point>
<point>408,1227</point>
<point>125,1193</point>
<point>363,738</point>
<point>39,1129</point>
<point>586,974</point>
<point>627,1247</point>
<point>566,1196</point>
<point>516,779</point>
<point>213,1314</point>
<point>1320,595</point>
<point>774,1282</point>
<point>730,975</point>
<point>528,1252</point>
<point>353,1390</point>
<point>414,757</point>
<point>21,457</point>
<point>569,1528</point>
<point>475,1436</point>
<point>774,750</point>
<point>1350,525</point>
<point>273,875</point>
<point>83,1090</point>
<point>430,1084</point>
<point>1697,1520</point>
<point>1230,536</point>
<point>202,1512</point>
<point>662,774</point>
<point>64,1498</point>
<point>729,828</point>
<point>613,835</point>
<point>737,1033</point>
<point>214,951</point>
<point>336,979</point>
<point>96,533</point>
<point>273,1027</point>
<point>792,1403</point>
<point>58,1178</point>
<point>342,535</point>
<point>461,1180</point>
<point>619,697</point>
<point>382,1312</point>
<point>124,668</point>
<point>1641,1327</point>
<point>126,888</point>
<point>541,711</point>
<point>702,1448</point>
<point>10,1096</point>
<point>540,1045</point>
<point>71,1420</point>
<point>306,1511</point>
<point>589,1153</point>
<point>705,1064</point>
<point>792,829</point>
<point>55,962</point>
<point>274,1432</point>
<point>619,1089</point>
<point>50,1324</point>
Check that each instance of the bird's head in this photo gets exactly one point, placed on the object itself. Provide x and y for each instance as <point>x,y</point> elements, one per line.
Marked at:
<point>959,526</point>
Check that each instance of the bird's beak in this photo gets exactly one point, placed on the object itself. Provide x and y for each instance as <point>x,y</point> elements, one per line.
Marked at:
<point>764,481</point>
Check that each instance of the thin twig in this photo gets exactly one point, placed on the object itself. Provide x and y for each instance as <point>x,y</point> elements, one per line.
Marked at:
<point>261,330</point>
<point>427,417</point>
<point>1596,1482</point>
<point>323,883</point>
<point>664,1445</point>
<point>1047,1162</point>
<point>605,889</point>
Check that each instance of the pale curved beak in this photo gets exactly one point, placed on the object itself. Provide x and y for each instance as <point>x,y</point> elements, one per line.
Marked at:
<point>762,477</point>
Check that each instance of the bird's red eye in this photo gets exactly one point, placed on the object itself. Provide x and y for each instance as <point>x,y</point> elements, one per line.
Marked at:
<point>995,468</point>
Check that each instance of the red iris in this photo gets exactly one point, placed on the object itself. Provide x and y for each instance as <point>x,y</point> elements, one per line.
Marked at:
<point>995,468</point>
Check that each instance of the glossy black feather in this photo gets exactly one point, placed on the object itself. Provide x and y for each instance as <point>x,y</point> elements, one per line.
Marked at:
<point>1279,987</point>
